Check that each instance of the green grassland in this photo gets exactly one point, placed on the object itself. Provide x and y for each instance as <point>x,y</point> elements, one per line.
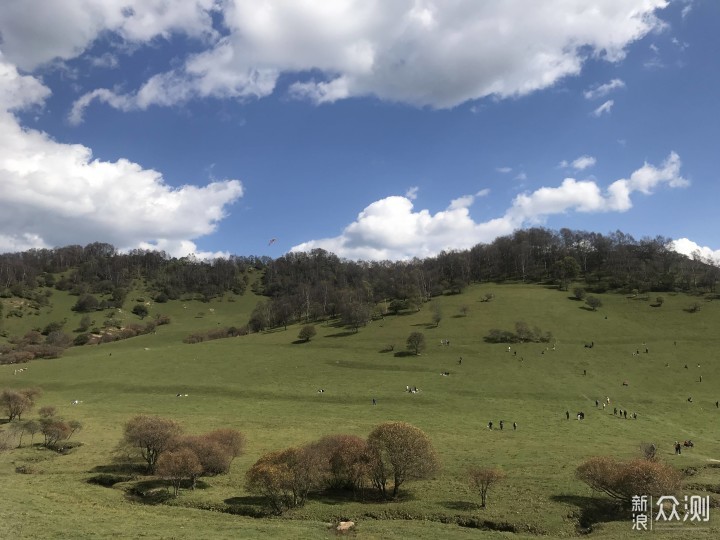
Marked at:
<point>266,386</point>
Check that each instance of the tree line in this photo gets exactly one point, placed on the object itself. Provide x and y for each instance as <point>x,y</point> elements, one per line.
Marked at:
<point>99,268</point>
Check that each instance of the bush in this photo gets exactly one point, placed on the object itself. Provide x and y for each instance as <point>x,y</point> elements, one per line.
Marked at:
<point>399,452</point>
<point>284,478</point>
<point>307,332</point>
<point>345,461</point>
<point>622,480</point>
<point>86,303</point>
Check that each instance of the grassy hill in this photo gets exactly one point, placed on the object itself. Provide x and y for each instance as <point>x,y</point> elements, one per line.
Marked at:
<point>266,386</point>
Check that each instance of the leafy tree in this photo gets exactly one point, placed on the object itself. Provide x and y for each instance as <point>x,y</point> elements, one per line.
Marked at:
<point>659,301</point>
<point>55,326</point>
<point>396,306</point>
<point>178,465</point>
<point>565,270</point>
<point>482,479</point>
<point>141,310</point>
<point>355,314</point>
<point>152,436</point>
<point>579,293</point>
<point>86,303</point>
<point>85,323</point>
<point>399,452</point>
<point>622,480</point>
<point>307,332</point>
<point>416,342</point>
<point>594,302</point>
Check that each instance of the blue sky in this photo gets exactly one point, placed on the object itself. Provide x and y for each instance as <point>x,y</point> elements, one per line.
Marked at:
<point>373,129</point>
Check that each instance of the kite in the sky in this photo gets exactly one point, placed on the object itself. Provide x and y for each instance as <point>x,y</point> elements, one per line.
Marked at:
<point>272,241</point>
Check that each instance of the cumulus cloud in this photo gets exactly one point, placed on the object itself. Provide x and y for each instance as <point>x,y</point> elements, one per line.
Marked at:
<point>579,164</point>
<point>412,193</point>
<point>56,194</point>
<point>423,53</point>
<point>35,32</point>
<point>604,89</point>
<point>693,249</point>
<point>605,108</point>
<point>392,229</point>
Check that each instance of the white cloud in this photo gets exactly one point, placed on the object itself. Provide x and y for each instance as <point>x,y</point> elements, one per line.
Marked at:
<point>504,170</point>
<point>483,192</point>
<point>692,249</point>
<point>412,193</point>
<point>605,108</point>
<point>57,194</point>
<point>521,177</point>
<point>35,32</point>
<point>604,89</point>
<point>391,229</point>
<point>423,53</point>
<point>579,164</point>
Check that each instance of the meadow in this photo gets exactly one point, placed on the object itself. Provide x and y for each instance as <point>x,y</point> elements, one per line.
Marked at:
<point>266,385</point>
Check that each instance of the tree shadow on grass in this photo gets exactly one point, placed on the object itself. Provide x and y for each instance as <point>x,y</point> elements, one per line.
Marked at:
<point>465,506</point>
<point>403,354</point>
<point>587,308</point>
<point>300,341</point>
<point>121,468</point>
<point>592,511</point>
<point>341,334</point>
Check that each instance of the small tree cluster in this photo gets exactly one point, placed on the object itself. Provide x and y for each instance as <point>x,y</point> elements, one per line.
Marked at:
<point>15,403</point>
<point>394,453</point>
<point>622,480</point>
<point>178,457</point>
<point>593,302</point>
<point>35,345</point>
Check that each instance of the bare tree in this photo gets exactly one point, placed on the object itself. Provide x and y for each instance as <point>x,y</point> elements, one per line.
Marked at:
<point>178,465</point>
<point>416,342</point>
<point>482,479</point>
<point>17,402</point>
<point>151,435</point>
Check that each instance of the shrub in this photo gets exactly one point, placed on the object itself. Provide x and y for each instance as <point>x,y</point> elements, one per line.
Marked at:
<point>285,477</point>
<point>399,452</point>
<point>345,461</point>
<point>307,332</point>
<point>622,480</point>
